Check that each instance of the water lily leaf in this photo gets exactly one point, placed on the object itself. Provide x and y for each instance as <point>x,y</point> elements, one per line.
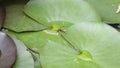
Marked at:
<point>95,46</point>
<point>108,9</point>
<point>24,57</point>
<point>2,15</point>
<point>35,40</point>
<point>55,55</point>
<point>60,11</point>
<point>100,40</point>
<point>17,21</point>
<point>7,51</point>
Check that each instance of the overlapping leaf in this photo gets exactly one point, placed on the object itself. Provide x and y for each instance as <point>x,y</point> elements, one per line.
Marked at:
<point>55,11</point>
<point>17,21</point>
<point>95,39</point>
<point>83,45</point>
<point>108,9</point>
<point>24,57</point>
<point>100,40</point>
<point>55,55</point>
<point>36,40</point>
<point>60,11</point>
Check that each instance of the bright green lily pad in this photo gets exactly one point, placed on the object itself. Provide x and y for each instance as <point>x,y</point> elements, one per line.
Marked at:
<point>24,57</point>
<point>108,9</point>
<point>35,40</point>
<point>55,55</point>
<point>100,40</point>
<point>98,45</point>
<point>63,11</point>
<point>17,21</point>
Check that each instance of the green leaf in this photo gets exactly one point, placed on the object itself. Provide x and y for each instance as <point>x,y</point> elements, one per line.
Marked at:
<point>24,57</point>
<point>60,11</point>
<point>100,40</point>
<point>107,9</point>
<point>55,55</point>
<point>17,21</point>
<point>35,40</point>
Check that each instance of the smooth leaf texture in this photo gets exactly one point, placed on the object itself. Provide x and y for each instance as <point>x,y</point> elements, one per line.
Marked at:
<point>107,9</point>
<point>55,55</point>
<point>7,51</point>
<point>2,15</point>
<point>24,57</point>
<point>17,21</point>
<point>35,40</point>
<point>100,40</point>
<point>60,11</point>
